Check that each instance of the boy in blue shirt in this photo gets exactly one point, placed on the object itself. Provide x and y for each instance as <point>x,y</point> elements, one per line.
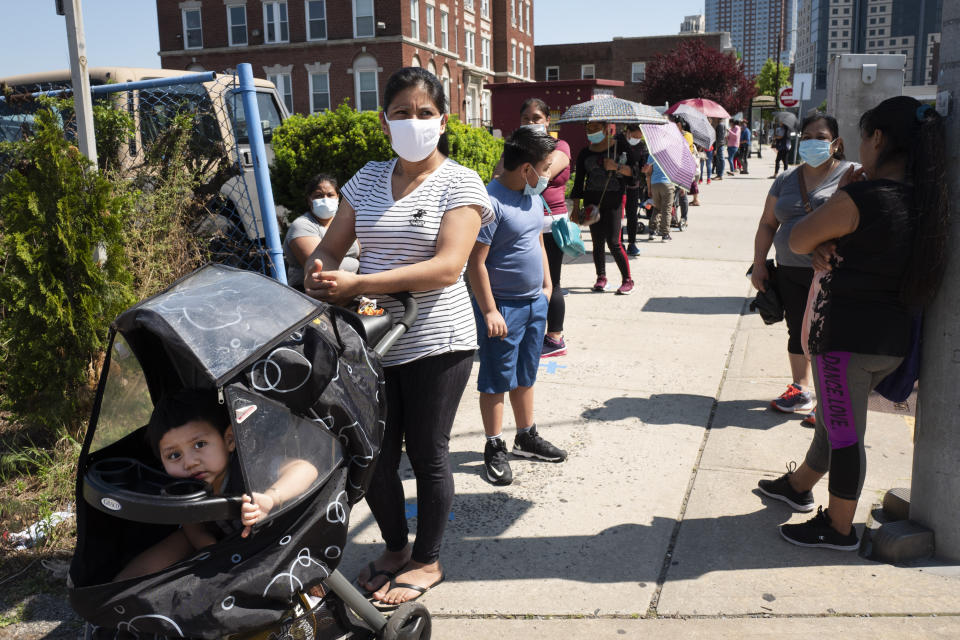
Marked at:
<point>511,285</point>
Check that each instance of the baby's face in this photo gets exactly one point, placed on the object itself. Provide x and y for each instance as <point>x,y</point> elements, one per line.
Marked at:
<point>197,450</point>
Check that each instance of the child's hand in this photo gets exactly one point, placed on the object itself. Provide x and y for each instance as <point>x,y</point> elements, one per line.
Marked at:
<point>253,510</point>
<point>496,325</point>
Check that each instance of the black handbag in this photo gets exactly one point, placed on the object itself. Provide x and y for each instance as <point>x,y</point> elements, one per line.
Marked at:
<point>768,302</point>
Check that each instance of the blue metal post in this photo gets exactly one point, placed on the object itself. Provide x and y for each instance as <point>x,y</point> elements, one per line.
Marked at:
<point>261,172</point>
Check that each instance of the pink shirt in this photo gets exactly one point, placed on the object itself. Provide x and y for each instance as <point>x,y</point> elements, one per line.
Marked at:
<point>733,136</point>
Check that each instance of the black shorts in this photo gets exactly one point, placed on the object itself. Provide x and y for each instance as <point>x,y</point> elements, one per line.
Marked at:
<point>794,285</point>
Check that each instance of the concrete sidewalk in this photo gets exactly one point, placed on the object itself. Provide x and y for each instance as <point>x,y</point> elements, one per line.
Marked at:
<point>653,526</point>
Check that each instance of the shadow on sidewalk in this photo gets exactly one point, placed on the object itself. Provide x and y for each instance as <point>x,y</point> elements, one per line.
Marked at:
<point>685,408</point>
<point>700,306</point>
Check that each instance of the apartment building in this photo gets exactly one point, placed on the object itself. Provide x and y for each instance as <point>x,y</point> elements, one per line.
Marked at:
<point>320,52</point>
<point>758,29</point>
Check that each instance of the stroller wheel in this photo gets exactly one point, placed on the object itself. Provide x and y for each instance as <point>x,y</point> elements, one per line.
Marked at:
<point>641,228</point>
<point>411,621</point>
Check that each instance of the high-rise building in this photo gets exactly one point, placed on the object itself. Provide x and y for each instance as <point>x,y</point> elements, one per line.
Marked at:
<point>693,24</point>
<point>758,29</point>
<point>827,28</point>
<point>319,52</point>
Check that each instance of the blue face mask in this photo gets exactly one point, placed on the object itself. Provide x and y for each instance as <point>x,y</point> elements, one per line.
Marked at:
<point>537,190</point>
<point>596,137</point>
<point>815,152</point>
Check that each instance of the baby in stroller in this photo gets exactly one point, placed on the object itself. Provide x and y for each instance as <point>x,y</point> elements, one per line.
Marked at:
<point>191,435</point>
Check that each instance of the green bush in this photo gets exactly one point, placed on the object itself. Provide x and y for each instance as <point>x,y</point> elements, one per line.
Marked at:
<point>341,141</point>
<point>58,299</point>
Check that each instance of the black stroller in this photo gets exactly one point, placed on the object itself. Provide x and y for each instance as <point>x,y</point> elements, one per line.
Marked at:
<point>299,382</point>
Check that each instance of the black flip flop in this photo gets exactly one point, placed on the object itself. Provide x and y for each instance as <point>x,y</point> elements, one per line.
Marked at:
<point>374,572</point>
<point>384,606</point>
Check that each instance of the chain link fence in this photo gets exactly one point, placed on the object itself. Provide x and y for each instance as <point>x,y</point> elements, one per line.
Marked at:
<point>216,153</point>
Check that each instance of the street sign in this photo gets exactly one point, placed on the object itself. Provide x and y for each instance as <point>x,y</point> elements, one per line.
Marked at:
<point>802,84</point>
<point>787,99</point>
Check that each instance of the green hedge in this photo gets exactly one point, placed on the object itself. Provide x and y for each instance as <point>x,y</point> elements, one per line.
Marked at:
<point>341,141</point>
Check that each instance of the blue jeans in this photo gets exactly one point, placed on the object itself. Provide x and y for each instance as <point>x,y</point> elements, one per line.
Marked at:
<point>512,361</point>
<point>731,154</point>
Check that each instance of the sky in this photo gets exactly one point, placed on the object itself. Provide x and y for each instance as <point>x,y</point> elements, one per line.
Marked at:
<point>124,32</point>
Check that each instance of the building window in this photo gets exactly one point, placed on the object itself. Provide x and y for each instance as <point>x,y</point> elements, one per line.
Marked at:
<point>485,8</point>
<point>521,60</point>
<point>470,37</point>
<point>552,73</point>
<point>363,19</point>
<point>275,22</point>
<point>588,72</point>
<point>468,5</point>
<point>365,80</point>
<point>430,34</point>
<point>237,24</point>
<point>529,68</point>
<point>415,19</point>
<point>513,12</point>
<point>527,10</point>
<point>485,53</point>
<point>192,29</point>
<point>444,31</point>
<point>319,92</point>
<point>513,58</point>
<point>638,71</point>
<point>485,108</point>
<point>445,79</point>
<point>282,82</point>
<point>316,11</point>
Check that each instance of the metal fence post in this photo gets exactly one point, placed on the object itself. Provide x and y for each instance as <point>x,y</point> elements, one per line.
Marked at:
<point>261,172</point>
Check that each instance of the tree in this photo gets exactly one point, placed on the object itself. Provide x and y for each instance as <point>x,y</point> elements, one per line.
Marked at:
<point>767,84</point>
<point>694,70</point>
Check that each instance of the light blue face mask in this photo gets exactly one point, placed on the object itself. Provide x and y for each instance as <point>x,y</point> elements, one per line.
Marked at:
<point>815,152</point>
<point>537,190</point>
<point>596,137</point>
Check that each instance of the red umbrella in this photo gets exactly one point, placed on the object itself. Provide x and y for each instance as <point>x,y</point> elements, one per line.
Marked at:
<point>708,108</point>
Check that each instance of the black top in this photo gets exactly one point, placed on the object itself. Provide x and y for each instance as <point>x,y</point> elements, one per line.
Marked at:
<point>593,181</point>
<point>636,156</point>
<point>858,306</point>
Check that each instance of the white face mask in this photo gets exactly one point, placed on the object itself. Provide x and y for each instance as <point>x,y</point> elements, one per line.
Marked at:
<point>414,139</point>
<point>324,208</point>
<point>633,141</point>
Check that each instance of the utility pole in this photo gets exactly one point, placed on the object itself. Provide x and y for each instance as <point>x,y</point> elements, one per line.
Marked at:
<point>935,489</point>
<point>80,79</point>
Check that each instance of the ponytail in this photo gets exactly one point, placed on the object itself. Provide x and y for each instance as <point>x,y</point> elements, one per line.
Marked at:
<point>931,202</point>
<point>915,132</point>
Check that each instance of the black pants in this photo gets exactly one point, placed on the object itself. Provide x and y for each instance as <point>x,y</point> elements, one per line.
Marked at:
<point>793,285</point>
<point>744,157</point>
<point>558,307</point>
<point>606,230</point>
<point>782,155</point>
<point>633,201</point>
<point>422,401</point>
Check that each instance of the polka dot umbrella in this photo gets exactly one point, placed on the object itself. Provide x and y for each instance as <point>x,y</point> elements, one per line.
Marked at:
<point>611,109</point>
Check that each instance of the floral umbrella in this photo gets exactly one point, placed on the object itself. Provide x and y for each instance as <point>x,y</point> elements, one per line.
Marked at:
<point>611,109</point>
<point>707,107</point>
<point>669,149</point>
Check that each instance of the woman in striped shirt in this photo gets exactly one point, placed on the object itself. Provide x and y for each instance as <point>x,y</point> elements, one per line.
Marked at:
<point>417,218</point>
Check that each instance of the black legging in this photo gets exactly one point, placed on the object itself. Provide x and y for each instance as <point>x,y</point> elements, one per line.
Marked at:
<point>422,401</point>
<point>607,230</point>
<point>782,156</point>
<point>558,307</point>
<point>633,200</point>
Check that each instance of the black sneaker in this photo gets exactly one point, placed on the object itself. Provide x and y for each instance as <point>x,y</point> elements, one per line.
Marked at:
<point>531,445</point>
<point>817,532</point>
<point>780,489</point>
<point>495,462</point>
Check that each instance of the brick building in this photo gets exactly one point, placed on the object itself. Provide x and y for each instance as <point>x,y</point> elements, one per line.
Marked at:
<point>320,52</point>
<point>619,59</point>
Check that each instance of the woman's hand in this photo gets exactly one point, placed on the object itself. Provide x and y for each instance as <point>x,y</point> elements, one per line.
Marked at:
<point>254,509</point>
<point>335,287</point>
<point>823,255</point>
<point>852,175</point>
<point>759,276</point>
<point>496,325</point>
<point>610,164</point>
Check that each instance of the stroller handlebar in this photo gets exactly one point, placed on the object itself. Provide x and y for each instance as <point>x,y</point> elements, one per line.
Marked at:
<point>403,325</point>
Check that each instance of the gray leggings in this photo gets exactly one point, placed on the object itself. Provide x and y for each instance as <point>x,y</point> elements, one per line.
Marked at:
<point>844,381</point>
